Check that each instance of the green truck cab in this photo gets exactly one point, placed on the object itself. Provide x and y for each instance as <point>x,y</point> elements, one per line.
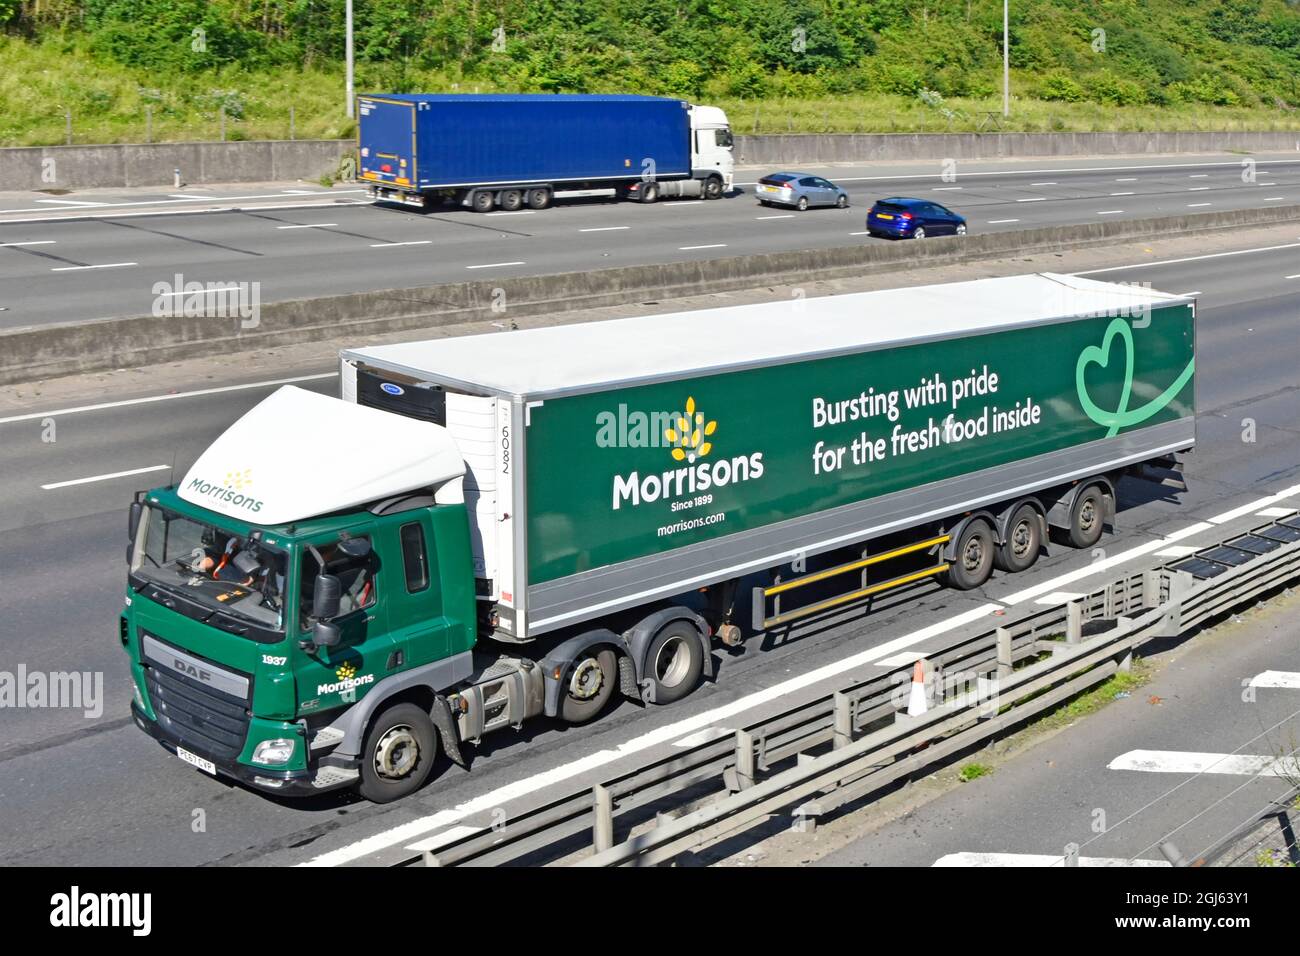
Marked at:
<point>483,529</point>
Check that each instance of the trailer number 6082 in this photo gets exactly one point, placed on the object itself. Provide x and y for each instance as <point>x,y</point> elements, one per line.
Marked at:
<point>505,450</point>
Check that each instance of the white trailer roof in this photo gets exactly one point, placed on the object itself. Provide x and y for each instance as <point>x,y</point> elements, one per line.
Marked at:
<point>588,356</point>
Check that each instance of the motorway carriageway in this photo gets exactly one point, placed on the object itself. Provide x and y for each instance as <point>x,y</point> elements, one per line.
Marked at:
<point>79,789</point>
<point>99,253</point>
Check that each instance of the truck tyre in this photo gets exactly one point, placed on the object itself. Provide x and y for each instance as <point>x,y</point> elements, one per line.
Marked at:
<point>674,662</point>
<point>510,200</point>
<point>1087,516</point>
<point>1024,540</point>
<point>589,685</point>
<point>482,201</point>
<point>650,193</point>
<point>399,751</point>
<point>538,198</point>
<point>972,561</point>
<point>713,188</point>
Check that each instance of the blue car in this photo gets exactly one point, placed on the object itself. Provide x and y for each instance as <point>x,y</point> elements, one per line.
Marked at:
<point>901,218</point>
<point>799,190</point>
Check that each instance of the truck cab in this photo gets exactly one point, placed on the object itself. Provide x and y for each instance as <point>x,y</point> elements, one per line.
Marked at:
<point>711,145</point>
<point>267,601</point>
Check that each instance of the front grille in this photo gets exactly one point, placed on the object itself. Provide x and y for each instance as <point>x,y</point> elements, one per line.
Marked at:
<point>209,720</point>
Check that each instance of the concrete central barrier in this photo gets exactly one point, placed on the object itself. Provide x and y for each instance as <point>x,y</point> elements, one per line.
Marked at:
<point>40,352</point>
<point>122,165</point>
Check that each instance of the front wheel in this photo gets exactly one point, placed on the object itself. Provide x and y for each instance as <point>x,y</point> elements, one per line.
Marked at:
<point>842,202</point>
<point>398,754</point>
<point>961,230</point>
<point>650,192</point>
<point>713,188</point>
<point>589,686</point>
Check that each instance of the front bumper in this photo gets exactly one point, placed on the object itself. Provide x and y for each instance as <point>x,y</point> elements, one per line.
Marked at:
<point>330,773</point>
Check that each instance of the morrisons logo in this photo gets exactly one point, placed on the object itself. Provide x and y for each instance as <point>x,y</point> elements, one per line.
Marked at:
<point>347,680</point>
<point>230,491</point>
<point>688,436</point>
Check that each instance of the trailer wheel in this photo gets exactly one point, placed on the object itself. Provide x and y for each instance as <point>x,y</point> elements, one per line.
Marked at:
<point>1087,516</point>
<point>538,198</point>
<point>972,562</point>
<point>1024,540</point>
<point>589,686</point>
<point>713,188</point>
<point>482,200</point>
<point>650,192</point>
<point>674,662</point>
<point>511,199</point>
<point>399,751</point>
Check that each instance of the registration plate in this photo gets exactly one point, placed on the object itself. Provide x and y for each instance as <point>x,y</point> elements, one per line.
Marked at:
<point>194,760</point>
<point>768,189</point>
<point>883,215</point>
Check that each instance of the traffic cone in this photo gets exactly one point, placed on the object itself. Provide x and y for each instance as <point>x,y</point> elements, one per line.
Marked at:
<point>916,702</point>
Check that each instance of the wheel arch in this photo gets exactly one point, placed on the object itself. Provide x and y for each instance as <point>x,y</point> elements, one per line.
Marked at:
<point>641,634</point>
<point>1058,515</point>
<point>564,655</point>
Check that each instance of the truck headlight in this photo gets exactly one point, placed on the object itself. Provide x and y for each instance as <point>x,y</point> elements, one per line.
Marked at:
<point>274,752</point>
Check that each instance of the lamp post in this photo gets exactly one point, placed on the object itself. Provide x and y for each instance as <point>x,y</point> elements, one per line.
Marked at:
<point>351,97</point>
<point>1006,57</point>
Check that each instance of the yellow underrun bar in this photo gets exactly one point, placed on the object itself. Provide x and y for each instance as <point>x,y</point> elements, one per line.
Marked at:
<point>856,565</point>
<point>852,596</point>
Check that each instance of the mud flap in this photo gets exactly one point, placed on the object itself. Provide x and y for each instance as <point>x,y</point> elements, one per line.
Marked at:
<point>442,719</point>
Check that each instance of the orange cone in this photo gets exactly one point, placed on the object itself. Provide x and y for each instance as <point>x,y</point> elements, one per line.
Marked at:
<point>916,702</point>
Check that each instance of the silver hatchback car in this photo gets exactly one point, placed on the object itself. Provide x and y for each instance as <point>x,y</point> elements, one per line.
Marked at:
<point>799,190</point>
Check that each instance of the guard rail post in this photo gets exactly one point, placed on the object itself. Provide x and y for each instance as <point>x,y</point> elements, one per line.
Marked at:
<point>602,830</point>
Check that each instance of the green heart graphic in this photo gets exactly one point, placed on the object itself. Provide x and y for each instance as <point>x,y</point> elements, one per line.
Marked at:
<point>1122,416</point>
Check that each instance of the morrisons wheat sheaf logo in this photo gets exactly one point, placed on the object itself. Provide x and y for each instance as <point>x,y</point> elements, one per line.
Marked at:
<point>230,491</point>
<point>688,436</point>
<point>347,680</point>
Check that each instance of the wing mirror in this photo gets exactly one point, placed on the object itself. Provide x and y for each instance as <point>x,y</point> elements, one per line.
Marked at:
<point>325,634</point>
<point>325,597</point>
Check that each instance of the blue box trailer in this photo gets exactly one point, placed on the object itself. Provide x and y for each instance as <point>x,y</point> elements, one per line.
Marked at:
<point>521,150</point>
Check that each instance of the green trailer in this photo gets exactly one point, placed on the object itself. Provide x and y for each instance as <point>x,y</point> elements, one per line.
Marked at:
<point>490,527</point>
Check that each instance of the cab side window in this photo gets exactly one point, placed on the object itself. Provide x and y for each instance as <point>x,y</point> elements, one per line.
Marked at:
<point>355,574</point>
<point>415,558</point>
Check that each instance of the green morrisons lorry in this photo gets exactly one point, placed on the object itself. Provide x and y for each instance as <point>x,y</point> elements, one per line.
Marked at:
<point>487,528</point>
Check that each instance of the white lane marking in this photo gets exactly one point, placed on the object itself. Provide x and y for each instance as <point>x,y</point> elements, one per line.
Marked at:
<point>292,192</point>
<point>1042,184</point>
<point>174,212</point>
<point>30,242</point>
<point>604,229</point>
<point>1199,176</point>
<point>995,222</point>
<point>788,215</point>
<point>1197,189</point>
<point>1273,198</point>
<point>1177,551</point>
<point>221,288</point>
<point>1275,513</point>
<point>1036,859</point>
<point>1185,761</point>
<point>158,202</point>
<point>71,202</point>
<point>314,225</point>
<point>105,265</point>
<point>1035,199</point>
<point>859,233</point>
<point>116,474</point>
<point>1109,212</point>
<point>681,202</point>
<point>1296,276</point>
<point>1254,506</point>
<point>189,198</point>
<point>1194,205</point>
<point>1047,587</point>
<point>1289,680</point>
<point>715,245</point>
<point>1127,179</point>
<point>704,736</point>
<point>517,212</point>
<point>1058,597</point>
<point>1170,262</point>
<point>198,393</point>
<point>389,245</point>
<point>494,265</point>
<point>944,189</point>
<point>1122,194</point>
<point>415,829</point>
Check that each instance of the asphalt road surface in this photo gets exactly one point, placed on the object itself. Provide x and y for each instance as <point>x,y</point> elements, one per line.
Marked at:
<point>60,261</point>
<point>79,788</point>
